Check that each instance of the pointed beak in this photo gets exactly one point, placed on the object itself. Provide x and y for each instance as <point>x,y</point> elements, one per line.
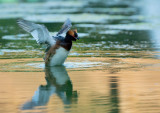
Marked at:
<point>77,38</point>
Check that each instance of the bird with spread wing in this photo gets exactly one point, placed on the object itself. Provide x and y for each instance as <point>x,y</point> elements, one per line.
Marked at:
<point>58,46</point>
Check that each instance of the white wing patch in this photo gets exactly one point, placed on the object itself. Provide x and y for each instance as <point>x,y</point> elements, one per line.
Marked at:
<point>35,35</point>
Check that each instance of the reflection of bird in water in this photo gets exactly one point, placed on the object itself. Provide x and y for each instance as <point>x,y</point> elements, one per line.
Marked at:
<point>58,82</point>
<point>58,46</point>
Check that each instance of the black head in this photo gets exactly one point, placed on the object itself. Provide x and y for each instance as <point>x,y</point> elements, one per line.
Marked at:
<point>72,35</point>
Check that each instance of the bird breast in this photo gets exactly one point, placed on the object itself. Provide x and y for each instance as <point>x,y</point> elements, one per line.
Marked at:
<point>59,57</point>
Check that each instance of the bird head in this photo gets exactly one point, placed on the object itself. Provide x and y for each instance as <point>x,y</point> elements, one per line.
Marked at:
<point>72,34</point>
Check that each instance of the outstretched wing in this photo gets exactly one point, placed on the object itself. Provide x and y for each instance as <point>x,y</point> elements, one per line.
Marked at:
<point>66,26</point>
<point>39,32</point>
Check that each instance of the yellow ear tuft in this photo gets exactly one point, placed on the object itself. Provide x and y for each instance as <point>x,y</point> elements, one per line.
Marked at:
<point>71,32</point>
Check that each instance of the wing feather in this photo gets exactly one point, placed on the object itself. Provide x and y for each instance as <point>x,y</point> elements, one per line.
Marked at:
<point>66,26</point>
<point>39,32</point>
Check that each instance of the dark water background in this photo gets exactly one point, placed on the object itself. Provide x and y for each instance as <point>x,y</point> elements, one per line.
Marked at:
<point>107,28</point>
<point>113,68</point>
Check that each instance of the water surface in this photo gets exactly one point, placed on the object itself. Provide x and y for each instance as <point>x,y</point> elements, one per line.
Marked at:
<point>113,68</point>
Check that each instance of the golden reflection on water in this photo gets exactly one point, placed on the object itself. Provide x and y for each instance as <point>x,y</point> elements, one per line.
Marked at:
<point>58,83</point>
<point>113,90</point>
<point>140,92</point>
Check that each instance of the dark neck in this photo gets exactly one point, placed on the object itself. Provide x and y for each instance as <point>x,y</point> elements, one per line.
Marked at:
<point>68,38</point>
<point>67,43</point>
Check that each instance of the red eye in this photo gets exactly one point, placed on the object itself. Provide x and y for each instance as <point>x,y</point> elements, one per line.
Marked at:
<point>75,30</point>
<point>75,35</point>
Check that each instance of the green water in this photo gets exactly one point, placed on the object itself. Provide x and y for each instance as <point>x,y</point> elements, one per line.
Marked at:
<point>104,28</point>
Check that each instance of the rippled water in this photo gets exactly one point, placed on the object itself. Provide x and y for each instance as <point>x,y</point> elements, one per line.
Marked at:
<point>113,68</point>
